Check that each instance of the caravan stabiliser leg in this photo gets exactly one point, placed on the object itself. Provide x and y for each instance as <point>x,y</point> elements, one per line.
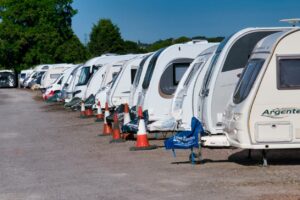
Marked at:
<point>264,156</point>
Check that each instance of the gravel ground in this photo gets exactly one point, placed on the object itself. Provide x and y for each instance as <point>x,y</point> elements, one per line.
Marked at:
<point>50,153</point>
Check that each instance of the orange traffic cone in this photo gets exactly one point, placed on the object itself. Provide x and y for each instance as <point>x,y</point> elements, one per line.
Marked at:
<point>82,110</point>
<point>89,113</point>
<point>116,130</point>
<point>142,142</point>
<point>126,120</point>
<point>106,128</point>
<point>99,116</point>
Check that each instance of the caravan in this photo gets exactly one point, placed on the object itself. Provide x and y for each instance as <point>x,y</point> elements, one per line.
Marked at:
<point>220,79</point>
<point>69,85</point>
<point>165,69</point>
<point>184,103</point>
<point>57,86</point>
<point>104,75</point>
<point>264,110</point>
<point>140,73</point>
<point>53,73</point>
<point>120,89</point>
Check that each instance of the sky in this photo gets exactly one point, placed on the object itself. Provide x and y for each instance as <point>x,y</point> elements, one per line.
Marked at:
<point>151,20</point>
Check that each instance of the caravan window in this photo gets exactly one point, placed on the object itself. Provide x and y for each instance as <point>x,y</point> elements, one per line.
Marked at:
<point>132,75</point>
<point>241,50</point>
<point>150,69</point>
<point>54,76</point>
<point>84,76</point>
<point>192,73</point>
<point>171,77</point>
<point>178,71</point>
<point>247,80</point>
<point>139,71</point>
<point>288,72</point>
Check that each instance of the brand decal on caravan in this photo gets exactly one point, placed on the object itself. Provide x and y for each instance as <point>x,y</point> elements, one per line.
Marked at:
<point>280,112</point>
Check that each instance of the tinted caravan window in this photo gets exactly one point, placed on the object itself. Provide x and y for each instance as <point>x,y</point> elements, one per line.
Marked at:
<point>247,80</point>
<point>240,51</point>
<point>132,74</point>
<point>288,70</point>
<point>171,77</point>
<point>150,69</point>
<point>84,76</point>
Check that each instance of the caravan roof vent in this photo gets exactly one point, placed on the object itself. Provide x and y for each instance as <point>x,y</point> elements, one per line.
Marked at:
<point>293,21</point>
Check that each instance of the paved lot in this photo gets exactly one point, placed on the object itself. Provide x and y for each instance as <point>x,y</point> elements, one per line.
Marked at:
<point>49,153</point>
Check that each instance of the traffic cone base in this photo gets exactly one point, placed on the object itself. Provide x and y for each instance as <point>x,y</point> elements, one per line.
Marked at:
<point>88,113</point>
<point>106,130</point>
<point>82,115</point>
<point>120,140</point>
<point>150,147</point>
<point>142,144</point>
<point>99,118</point>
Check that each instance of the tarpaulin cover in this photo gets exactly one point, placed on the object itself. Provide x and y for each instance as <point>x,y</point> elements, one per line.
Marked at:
<point>132,126</point>
<point>90,101</point>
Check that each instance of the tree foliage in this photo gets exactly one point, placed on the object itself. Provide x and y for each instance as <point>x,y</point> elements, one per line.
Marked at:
<point>105,38</point>
<point>34,32</point>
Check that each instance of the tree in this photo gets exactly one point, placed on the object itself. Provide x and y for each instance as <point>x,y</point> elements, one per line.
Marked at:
<point>132,47</point>
<point>105,38</point>
<point>34,32</point>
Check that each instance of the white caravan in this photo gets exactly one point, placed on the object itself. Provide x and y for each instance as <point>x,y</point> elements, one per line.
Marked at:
<point>85,73</point>
<point>220,80</point>
<point>162,76</point>
<point>23,75</point>
<point>53,73</point>
<point>104,74</point>
<point>110,73</point>
<point>57,85</point>
<point>184,104</point>
<point>69,85</point>
<point>138,79</point>
<point>37,69</point>
<point>264,110</point>
<point>120,89</point>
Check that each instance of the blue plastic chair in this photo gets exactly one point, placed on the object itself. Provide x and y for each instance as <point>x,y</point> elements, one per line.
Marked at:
<point>186,139</point>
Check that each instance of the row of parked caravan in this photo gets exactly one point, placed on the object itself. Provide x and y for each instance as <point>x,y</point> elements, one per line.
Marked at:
<point>244,90</point>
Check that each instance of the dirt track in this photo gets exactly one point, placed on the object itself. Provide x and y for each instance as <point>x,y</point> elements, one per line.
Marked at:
<point>49,153</point>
